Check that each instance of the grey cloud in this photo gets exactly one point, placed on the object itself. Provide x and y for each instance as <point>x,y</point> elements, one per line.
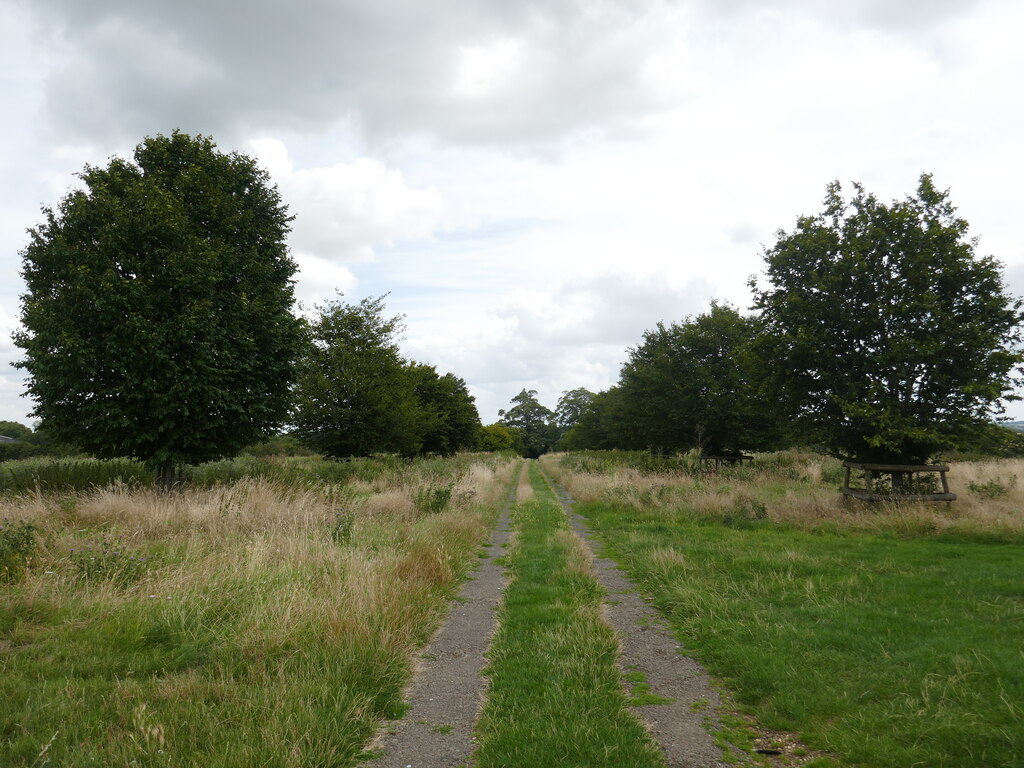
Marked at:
<point>903,15</point>
<point>607,308</point>
<point>389,66</point>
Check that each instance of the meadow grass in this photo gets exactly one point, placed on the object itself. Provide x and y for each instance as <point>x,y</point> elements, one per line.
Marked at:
<point>885,635</point>
<point>556,696</point>
<point>247,623</point>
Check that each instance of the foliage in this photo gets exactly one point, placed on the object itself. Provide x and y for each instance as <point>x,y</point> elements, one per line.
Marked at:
<point>887,338</point>
<point>433,499</point>
<point>571,406</point>
<point>989,439</point>
<point>354,395</point>
<point>992,489</point>
<point>498,437</point>
<point>450,419</point>
<point>17,545</point>
<point>602,424</point>
<point>535,422</point>
<point>644,462</point>
<point>110,561</point>
<point>693,385</point>
<point>16,430</point>
<point>157,320</point>
<point>278,445</point>
<point>357,395</point>
<point>341,527</point>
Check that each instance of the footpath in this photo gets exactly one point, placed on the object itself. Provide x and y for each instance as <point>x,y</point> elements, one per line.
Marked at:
<point>670,695</point>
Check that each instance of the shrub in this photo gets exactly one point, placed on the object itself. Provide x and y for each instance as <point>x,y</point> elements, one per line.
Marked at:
<point>109,562</point>
<point>430,500</point>
<point>17,545</point>
<point>993,489</point>
<point>341,527</point>
<point>49,475</point>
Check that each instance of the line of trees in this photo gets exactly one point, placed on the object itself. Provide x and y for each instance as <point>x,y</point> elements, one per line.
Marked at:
<point>880,336</point>
<point>158,323</point>
<point>357,395</point>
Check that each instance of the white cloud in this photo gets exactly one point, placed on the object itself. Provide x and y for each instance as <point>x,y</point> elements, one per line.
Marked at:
<point>484,69</point>
<point>343,211</point>
<point>572,334</point>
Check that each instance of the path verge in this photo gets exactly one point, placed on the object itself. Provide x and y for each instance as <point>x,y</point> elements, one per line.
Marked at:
<point>447,689</point>
<point>681,697</point>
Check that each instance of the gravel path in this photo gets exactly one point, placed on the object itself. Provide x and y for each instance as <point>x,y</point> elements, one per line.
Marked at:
<point>448,689</point>
<point>649,647</point>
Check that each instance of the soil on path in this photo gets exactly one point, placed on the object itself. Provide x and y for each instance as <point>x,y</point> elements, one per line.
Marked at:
<point>448,689</point>
<point>649,648</point>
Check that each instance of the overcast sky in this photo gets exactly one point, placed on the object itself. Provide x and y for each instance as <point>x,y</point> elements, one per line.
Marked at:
<point>533,183</point>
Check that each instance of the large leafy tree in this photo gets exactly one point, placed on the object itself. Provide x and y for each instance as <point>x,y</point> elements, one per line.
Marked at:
<point>498,437</point>
<point>887,337</point>
<point>571,406</point>
<point>695,385</point>
<point>535,422</point>
<point>355,395</point>
<point>601,425</point>
<point>450,419</point>
<point>157,318</point>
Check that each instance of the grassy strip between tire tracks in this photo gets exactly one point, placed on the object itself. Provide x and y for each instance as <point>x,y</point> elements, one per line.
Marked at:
<point>884,651</point>
<point>556,696</point>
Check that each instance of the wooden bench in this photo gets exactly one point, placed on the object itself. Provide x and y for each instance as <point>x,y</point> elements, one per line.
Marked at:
<point>720,461</point>
<point>872,471</point>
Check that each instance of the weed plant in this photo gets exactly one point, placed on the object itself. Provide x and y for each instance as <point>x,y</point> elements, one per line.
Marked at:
<point>17,545</point>
<point>430,500</point>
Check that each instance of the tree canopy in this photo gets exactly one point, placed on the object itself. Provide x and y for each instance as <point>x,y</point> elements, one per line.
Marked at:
<point>571,406</point>
<point>354,395</point>
<point>887,337</point>
<point>694,385</point>
<point>157,318</point>
<point>535,422</point>
<point>451,422</point>
<point>357,395</point>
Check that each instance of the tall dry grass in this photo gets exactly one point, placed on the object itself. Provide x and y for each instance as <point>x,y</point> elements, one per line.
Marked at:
<point>802,490</point>
<point>524,489</point>
<point>277,590</point>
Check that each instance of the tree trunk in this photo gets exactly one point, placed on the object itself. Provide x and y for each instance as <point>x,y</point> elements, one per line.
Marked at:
<point>166,476</point>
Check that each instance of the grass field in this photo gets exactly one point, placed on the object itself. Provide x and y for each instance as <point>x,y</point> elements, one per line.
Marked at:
<point>884,636</point>
<point>253,621</point>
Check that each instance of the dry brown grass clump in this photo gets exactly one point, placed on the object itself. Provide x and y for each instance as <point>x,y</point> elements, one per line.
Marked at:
<point>524,490</point>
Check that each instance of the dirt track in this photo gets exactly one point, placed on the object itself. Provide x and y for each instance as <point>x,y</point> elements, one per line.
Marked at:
<point>448,690</point>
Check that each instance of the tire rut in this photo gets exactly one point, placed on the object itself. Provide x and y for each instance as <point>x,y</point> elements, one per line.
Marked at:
<point>649,648</point>
<point>448,689</point>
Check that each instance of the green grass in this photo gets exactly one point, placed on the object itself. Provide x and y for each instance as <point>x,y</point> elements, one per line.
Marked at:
<point>884,651</point>
<point>78,474</point>
<point>227,627</point>
<point>556,697</point>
